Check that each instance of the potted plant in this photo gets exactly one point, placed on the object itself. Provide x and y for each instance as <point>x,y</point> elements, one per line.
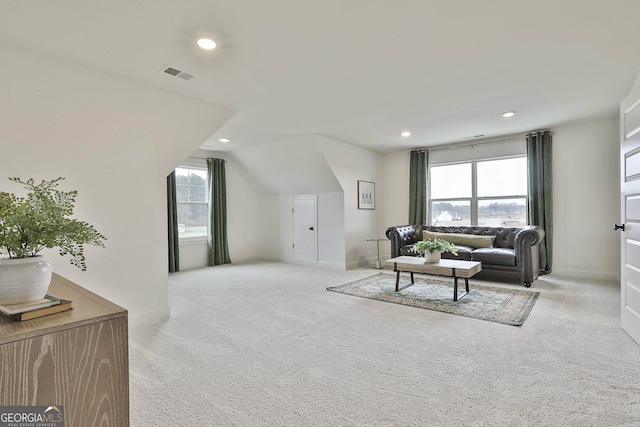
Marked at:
<point>431,250</point>
<point>30,224</point>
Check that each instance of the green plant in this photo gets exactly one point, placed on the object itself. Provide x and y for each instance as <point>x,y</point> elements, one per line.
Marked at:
<point>42,220</point>
<point>434,245</point>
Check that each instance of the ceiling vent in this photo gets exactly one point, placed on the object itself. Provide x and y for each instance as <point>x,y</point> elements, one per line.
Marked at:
<point>177,73</point>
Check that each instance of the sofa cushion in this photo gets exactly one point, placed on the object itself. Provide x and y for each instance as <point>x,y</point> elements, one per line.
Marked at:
<point>464,253</point>
<point>470,240</point>
<point>495,256</point>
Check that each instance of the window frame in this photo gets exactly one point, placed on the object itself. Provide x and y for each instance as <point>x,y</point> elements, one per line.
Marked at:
<point>194,239</point>
<point>474,199</point>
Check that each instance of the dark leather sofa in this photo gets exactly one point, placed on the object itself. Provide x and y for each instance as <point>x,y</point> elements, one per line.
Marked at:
<point>513,256</point>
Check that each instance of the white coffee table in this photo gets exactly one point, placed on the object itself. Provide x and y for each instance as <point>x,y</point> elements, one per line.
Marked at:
<point>446,267</point>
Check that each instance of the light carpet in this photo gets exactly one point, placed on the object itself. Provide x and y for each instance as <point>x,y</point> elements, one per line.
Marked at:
<point>265,344</point>
<point>499,305</point>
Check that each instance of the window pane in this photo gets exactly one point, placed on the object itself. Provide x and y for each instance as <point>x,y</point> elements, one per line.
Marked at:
<point>451,213</point>
<point>191,184</point>
<point>197,177</point>
<point>182,184</point>
<point>506,177</point>
<point>197,193</point>
<point>192,220</point>
<point>451,181</point>
<point>502,212</point>
<point>197,185</point>
<point>182,193</point>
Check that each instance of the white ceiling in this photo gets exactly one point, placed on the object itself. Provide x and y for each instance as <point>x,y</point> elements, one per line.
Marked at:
<point>359,71</point>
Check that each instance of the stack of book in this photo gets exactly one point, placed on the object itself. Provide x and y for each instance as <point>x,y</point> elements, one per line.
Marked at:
<point>31,310</point>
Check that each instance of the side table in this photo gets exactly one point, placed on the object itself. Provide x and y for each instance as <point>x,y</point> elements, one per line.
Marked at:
<point>378,263</point>
<point>77,359</point>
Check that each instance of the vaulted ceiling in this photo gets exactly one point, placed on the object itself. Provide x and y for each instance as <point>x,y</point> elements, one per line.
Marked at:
<point>358,71</point>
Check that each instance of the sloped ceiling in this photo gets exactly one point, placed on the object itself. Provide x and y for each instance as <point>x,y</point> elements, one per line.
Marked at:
<point>294,166</point>
<point>358,71</point>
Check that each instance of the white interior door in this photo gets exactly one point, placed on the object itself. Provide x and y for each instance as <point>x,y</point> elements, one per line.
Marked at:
<point>630,213</point>
<point>304,228</point>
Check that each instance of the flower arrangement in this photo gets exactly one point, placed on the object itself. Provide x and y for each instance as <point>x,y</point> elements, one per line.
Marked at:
<point>434,245</point>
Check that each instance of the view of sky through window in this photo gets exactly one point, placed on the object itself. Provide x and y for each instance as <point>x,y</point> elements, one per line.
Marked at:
<point>498,199</point>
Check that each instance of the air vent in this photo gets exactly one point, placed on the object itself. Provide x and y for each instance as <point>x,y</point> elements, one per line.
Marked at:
<point>177,73</point>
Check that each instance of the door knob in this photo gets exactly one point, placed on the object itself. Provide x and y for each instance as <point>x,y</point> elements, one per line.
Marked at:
<point>618,227</point>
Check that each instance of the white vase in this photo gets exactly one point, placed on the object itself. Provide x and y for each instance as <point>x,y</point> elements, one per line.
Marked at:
<point>432,257</point>
<point>24,279</point>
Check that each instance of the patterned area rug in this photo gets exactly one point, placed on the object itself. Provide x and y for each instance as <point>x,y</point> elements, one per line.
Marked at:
<point>507,306</point>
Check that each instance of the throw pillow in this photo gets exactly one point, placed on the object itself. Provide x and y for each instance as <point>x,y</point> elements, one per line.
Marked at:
<point>470,240</point>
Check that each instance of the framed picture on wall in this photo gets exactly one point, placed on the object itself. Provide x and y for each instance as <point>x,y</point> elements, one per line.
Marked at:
<point>366,195</point>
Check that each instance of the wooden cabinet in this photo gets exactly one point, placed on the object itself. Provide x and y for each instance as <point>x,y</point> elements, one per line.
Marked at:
<point>78,359</point>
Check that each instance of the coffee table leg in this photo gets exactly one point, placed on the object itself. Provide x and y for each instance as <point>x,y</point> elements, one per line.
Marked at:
<point>457,297</point>
<point>397,279</point>
<point>412,282</point>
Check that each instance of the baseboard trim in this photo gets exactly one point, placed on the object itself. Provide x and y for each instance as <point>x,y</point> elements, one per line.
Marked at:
<point>587,274</point>
<point>149,316</point>
<point>324,264</point>
<point>364,262</point>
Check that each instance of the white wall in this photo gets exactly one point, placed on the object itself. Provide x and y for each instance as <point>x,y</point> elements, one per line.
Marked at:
<point>350,164</point>
<point>274,228</point>
<point>115,141</point>
<point>395,190</point>
<point>395,187</point>
<point>293,165</point>
<point>585,194</point>
<point>331,241</point>
<point>586,199</point>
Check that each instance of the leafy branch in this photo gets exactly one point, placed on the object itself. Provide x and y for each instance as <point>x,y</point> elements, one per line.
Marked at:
<point>436,244</point>
<point>42,220</point>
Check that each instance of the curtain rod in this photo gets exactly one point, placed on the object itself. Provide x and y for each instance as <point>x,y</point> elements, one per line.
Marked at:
<point>480,142</point>
<point>206,158</point>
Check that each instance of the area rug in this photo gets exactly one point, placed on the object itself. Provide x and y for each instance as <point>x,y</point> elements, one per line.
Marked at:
<point>500,305</point>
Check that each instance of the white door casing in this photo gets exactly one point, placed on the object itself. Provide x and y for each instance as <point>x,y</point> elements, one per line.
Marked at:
<point>630,213</point>
<point>305,228</point>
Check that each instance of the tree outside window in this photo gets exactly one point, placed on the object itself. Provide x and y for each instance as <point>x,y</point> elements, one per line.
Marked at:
<point>191,195</point>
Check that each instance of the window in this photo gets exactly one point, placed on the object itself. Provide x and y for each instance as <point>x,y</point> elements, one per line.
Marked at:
<point>490,192</point>
<point>191,195</point>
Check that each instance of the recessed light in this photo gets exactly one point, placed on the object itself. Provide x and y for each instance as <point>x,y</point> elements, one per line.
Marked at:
<point>405,134</point>
<point>206,44</point>
<point>508,114</point>
<point>224,140</point>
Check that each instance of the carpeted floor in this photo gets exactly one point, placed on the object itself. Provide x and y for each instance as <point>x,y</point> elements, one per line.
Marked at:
<point>266,345</point>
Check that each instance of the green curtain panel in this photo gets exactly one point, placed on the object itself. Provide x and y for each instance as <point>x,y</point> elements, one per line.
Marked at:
<point>540,203</point>
<point>418,165</point>
<point>172,215</point>
<point>218,245</point>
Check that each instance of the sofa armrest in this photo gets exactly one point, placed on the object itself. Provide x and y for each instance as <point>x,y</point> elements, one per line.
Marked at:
<point>403,235</point>
<point>526,250</point>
